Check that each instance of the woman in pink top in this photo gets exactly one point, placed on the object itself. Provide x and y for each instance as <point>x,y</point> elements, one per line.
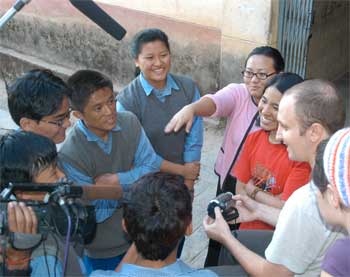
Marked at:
<point>237,103</point>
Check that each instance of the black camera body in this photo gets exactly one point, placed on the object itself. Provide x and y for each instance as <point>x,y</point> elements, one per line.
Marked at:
<point>226,204</point>
<point>62,205</point>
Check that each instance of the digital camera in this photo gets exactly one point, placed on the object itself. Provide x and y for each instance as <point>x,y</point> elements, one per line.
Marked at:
<point>226,204</point>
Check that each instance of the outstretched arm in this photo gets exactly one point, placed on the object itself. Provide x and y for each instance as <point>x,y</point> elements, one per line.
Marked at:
<point>203,107</point>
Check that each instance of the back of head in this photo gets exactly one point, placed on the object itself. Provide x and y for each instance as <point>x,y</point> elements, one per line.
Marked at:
<point>336,164</point>
<point>317,101</point>
<point>284,81</point>
<point>145,36</point>
<point>157,212</point>
<point>83,84</point>
<point>24,155</point>
<point>318,175</point>
<point>270,52</point>
<point>36,94</point>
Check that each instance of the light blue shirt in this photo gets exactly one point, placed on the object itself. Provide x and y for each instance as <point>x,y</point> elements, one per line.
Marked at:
<point>179,268</point>
<point>49,266</point>
<point>194,140</point>
<point>145,161</point>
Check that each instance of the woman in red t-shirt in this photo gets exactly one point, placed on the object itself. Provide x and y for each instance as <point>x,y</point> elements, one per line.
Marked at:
<point>263,170</point>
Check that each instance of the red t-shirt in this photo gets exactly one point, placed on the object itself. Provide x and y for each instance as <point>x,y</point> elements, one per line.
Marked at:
<point>268,164</point>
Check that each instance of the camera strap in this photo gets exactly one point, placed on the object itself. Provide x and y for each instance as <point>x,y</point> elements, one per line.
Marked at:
<point>225,184</point>
<point>21,241</point>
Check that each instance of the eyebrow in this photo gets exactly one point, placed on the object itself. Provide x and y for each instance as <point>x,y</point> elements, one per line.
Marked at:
<point>103,102</point>
<point>259,69</point>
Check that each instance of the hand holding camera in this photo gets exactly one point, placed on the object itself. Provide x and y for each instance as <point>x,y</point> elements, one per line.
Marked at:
<point>226,204</point>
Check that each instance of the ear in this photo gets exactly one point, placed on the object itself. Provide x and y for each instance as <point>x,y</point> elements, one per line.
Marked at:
<point>333,196</point>
<point>27,124</point>
<point>77,114</point>
<point>124,226</point>
<point>189,229</point>
<point>316,133</point>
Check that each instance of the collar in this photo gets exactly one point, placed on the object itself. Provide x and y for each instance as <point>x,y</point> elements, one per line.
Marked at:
<point>148,88</point>
<point>90,135</point>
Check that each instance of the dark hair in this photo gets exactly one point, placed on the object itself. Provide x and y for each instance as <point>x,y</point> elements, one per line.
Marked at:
<point>284,81</point>
<point>273,53</point>
<point>36,94</point>
<point>145,36</point>
<point>83,84</point>
<point>317,101</point>
<point>24,155</point>
<point>157,211</point>
<point>319,177</point>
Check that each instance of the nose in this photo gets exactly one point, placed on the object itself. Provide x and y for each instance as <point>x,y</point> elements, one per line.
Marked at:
<point>255,79</point>
<point>66,123</point>
<point>265,109</point>
<point>108,110</point>
<point>279,135</point>
<point>157,61</point>
<point>60,175</point>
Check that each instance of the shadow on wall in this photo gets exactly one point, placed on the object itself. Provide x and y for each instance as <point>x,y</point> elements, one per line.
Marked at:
<point>76,44</point>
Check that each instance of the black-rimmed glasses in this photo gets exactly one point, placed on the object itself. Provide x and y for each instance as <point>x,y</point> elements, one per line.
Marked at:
<point>259,75</point>
<point>58,122</point>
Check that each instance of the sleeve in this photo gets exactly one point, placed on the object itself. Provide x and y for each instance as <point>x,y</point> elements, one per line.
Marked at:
<point>337,259</point>
<point>241,170</point>
<point>299,176</point>
<point>145,161</point>
<point>120,107</point>
<point>103,208</point>
<point>104,273</point>
<point>296,241</point>
<point>194,140</point>
<point>46,266</point>
<point>226,100</point>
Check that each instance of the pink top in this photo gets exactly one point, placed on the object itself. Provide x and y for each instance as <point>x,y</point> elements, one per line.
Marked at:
<point>235,103</point>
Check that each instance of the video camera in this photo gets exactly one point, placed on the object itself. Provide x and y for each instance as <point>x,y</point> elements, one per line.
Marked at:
<point>62,210</point>
<point>226,204</point>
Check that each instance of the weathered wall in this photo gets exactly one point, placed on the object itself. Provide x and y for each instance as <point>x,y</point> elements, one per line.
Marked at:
<point>328,53</point>
<point>209,39</point>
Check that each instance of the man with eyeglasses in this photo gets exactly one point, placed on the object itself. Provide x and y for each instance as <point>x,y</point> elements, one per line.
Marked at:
<point>38,102</point>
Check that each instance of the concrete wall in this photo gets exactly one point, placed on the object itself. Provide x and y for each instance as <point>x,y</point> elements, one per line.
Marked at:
<point>328,53</point>
<point>209,39</point>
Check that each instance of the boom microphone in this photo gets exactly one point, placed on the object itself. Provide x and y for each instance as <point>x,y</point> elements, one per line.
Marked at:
<point>11,12</point>
<point>100,17</point>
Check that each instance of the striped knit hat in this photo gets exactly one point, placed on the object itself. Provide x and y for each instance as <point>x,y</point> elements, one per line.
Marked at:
<point>336,162</point>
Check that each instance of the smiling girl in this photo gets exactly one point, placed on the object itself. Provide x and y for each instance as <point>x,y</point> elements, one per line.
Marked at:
<point>263,170</point>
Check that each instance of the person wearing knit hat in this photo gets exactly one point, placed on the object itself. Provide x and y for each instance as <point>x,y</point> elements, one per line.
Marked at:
<point>331,175</point>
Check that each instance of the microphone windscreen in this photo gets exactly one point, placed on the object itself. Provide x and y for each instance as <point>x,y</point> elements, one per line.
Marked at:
<point>100,17</point>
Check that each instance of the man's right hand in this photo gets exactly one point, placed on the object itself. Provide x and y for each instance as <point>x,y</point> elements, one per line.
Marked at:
<point>183,117</point>
<point>21,219</point>
<point>217,229</point>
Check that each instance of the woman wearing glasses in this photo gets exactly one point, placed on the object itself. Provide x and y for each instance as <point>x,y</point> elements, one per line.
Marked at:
<point>239,104</point>
<point>263,171</point>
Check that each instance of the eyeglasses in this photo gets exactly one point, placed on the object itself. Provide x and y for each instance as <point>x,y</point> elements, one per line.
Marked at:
<point>259,75</point>
<point>58,122</point>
